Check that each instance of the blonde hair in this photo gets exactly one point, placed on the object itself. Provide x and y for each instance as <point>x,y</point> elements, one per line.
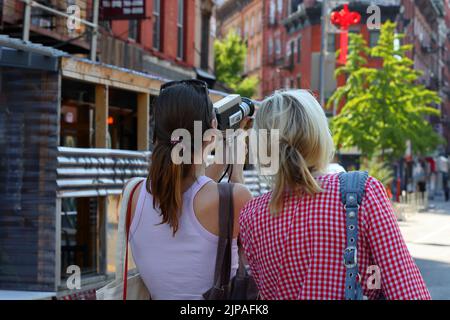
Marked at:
<point>306,146</point>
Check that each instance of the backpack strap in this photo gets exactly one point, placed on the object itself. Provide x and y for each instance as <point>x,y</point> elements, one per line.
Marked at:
<point>352,186</point>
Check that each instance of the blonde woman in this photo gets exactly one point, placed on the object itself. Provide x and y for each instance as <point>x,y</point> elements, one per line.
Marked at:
<point>294,236</point>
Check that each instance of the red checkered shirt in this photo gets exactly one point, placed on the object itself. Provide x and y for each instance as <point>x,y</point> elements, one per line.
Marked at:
<point>298,253</point>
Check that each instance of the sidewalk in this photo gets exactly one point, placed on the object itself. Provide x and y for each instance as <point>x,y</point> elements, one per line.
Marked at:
<point>428,238</point>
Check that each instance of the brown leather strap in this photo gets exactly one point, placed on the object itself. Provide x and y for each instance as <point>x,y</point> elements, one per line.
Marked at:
<point>241,271</point>
<point>226,224</point>
<point>127,226</point>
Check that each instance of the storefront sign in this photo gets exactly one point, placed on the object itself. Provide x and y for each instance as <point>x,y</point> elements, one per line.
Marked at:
<point>122,9</point>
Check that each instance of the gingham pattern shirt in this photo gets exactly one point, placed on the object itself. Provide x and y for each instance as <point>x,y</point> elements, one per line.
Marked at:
<point>298,254</point>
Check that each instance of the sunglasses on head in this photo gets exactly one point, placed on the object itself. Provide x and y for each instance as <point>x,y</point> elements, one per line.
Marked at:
<point>188,82</point>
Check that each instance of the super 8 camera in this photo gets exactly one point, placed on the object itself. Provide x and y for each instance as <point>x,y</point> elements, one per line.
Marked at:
<point>231,110</point>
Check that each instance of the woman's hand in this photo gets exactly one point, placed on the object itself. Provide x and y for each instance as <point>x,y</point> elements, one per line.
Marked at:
<point>215,170</point>
<point>240,152</point>
<point>246,123</point>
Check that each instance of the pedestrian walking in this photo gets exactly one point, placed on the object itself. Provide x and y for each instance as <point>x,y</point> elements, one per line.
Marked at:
<point>300,239</point>
<point>443,170</point>
<point>432,176</point>
<point>420,178</point>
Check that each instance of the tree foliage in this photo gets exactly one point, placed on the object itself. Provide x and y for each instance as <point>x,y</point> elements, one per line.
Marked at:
<point>383,108</point>
<point>379,170</point>
<point>230,54</point>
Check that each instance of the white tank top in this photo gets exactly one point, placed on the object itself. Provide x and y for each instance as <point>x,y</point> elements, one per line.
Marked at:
<point>179,267</point>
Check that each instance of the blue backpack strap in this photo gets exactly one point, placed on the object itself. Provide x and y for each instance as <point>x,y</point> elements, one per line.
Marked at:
<point>352,186</point>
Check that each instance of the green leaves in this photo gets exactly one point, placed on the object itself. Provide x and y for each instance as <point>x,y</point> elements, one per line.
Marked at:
<point>379,170</point>
<point>230,54</point>
<point>383,108</point>
<point>246,87</point>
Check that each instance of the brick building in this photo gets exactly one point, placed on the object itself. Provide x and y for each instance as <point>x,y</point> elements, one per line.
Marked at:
<point>446,72</point>
<point>291,40</point>
<point>174,40</point>
<point>426,25</point>
<point>246,19</point>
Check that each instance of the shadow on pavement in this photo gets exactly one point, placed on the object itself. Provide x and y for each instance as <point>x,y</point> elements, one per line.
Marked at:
<point>437,277</point>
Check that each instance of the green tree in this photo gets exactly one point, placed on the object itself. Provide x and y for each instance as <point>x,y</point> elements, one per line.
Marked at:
<point>230,54</point>
<point>383,108</point>
<point>379,170</point>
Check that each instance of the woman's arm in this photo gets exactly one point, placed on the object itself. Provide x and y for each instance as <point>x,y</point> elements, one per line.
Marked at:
<point>400,276</point>
<point>241,196</point>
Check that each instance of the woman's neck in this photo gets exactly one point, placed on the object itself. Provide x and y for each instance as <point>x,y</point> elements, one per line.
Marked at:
<point>197,170</point>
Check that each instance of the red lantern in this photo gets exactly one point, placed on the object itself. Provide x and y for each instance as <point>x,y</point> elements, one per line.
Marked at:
<point>344,19</point>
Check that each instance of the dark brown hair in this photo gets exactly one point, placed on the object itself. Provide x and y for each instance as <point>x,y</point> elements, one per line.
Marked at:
<point>177,107</point>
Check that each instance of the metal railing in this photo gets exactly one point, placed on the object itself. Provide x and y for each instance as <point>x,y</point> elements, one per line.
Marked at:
<point>100,172</point>
<point>97,172</point>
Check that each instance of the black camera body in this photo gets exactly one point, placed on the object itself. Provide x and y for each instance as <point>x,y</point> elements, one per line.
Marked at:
<point>231,110</point>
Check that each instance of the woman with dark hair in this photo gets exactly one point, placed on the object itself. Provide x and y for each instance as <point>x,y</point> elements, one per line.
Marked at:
<point>175,224</point>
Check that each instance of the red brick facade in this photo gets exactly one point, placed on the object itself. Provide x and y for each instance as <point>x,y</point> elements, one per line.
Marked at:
<point>169,43</point>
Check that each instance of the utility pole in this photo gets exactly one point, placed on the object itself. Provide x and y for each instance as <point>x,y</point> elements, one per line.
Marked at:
<point>26,21</point>
<point>323,50</point>
<point>94,31</point>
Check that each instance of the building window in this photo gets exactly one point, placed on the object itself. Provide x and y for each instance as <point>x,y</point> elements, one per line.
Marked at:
<point>270,48</point>
<point>373,38</point>
<point>180,30</point>
<point>299,49</point>
<point>258,56</point>
<point>247,29</point>
<point>133,29</point>
<point>204,55</point>
<point>299,81</point>
<point>277,45</point>
<point>287,83</point>
<point>291,54</point>
<point>259,22</point>
<point>272,12</point>
<point>157,25</point>
<point>280,7</point>
<point>331,43</point>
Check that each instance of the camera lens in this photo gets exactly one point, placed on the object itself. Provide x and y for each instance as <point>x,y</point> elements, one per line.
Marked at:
<point>247,107</point>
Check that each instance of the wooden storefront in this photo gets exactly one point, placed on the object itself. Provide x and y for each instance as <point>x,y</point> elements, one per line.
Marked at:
<point>84,128</point>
